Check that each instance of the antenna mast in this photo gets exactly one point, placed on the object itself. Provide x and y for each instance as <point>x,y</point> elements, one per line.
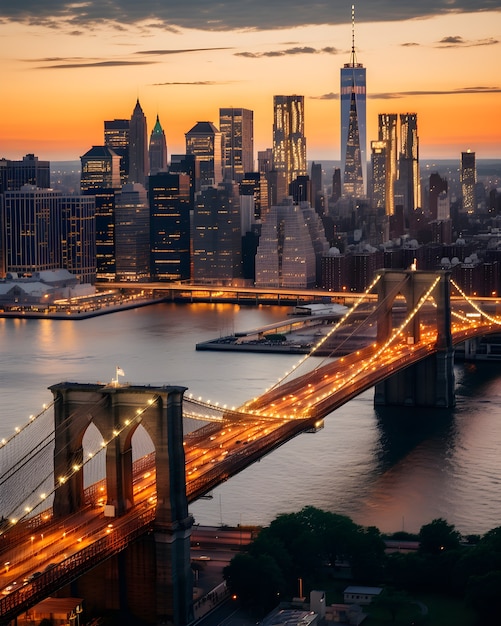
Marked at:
<point>353,55</point>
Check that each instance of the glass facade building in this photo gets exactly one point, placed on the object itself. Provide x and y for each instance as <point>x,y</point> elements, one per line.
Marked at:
<point>237,127</point>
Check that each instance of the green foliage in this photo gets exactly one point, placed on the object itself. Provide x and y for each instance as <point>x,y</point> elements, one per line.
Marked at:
<point>256,581</point>
<point>438,536</point>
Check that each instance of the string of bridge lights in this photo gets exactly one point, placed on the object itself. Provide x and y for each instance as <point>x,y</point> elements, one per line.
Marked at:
<point>396,333</point>
<point>19,429</point>
<point>323,339</point>
<point>494,320</point>
<point>61,480</point>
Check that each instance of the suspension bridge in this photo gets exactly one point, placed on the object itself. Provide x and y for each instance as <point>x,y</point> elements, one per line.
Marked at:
<point>75,499</point>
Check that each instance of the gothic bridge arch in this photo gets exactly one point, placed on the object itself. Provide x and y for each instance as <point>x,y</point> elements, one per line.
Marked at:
<point>428,383</point>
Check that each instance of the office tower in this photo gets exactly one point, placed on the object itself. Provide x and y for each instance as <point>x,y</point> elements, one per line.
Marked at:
<point>378,171</point>
<point>317,190</point>
<point>286,254</point>
<point>300,189</point>
<point>32,235</point>
<point>387,132</point>
<point>437,186</point>
<point>100,170</point>
<point>132,234</point>
<point>289,143</point>
<point>169,197</point>
<point>216,234</point>
<point>29,171</point>
<point>158,149</point>
<point>78,243</point>
<point>409,181</point>
<point>336,185</point>
<point>116,137</point>
<point>105,234</point>
<point>138,146</point>
<point>187,164</point>
<point>265,160</point>
<point>253,192</point>
<point>206,143</point>
<point>468,176</point>
<point>353,124</point>
<point>237,127</point>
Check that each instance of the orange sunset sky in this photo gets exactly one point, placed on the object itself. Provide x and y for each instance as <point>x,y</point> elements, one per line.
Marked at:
<point>68,66</point>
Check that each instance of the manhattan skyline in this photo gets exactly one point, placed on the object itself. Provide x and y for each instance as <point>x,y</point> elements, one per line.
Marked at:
<point>68,67</point>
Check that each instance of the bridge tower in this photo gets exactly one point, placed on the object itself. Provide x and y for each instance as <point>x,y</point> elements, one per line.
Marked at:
<point>430,382</point>
<point>152,577</point>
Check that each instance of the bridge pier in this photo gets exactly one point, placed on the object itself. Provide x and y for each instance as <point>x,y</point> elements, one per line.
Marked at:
<point>158,564</point>
<point>430,382</point>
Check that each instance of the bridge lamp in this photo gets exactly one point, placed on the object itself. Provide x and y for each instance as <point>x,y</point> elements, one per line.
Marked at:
<point>17,429</point>
<point>27,509</point>
<point>62,480</point>
<point>43,496</point>
<point>76,467</point>
<point>150,401</point>
<point>115,433</point>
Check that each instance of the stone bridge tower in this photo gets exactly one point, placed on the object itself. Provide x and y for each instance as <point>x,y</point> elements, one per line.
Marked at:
<point>152,577</point>
<point>430,382</point>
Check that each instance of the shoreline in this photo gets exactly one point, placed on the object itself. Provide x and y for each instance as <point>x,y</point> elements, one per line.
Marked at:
<point>80,315</point>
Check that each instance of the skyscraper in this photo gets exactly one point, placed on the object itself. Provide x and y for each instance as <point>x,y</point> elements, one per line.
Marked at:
<point>217,241</point>
<point>29,171</point>
<point>289,142</point>
<point>353,124</point>
<point>237,127</point>
<point>132,233</point>
<point>169,196</point>
<point>138,146</point>
<point>116,137</point>
<point>205,141</point>
<point>158,149</point>
<point>468,180</point>
<point>387,132</point>
<point>410,183</point>
<point>100,170</point>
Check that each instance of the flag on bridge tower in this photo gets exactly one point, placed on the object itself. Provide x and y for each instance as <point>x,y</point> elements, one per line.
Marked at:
<point>120,371</point>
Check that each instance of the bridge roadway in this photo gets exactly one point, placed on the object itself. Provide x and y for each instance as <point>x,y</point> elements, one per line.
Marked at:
<point>40,556</point>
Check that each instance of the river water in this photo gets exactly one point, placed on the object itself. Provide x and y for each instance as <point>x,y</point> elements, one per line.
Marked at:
<point>392,468</point>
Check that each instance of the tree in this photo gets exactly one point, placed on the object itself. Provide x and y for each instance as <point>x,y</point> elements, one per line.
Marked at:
<point>256,581</point>
<point>482,593</point>
<point>392,600</point>
<point>437,537</point>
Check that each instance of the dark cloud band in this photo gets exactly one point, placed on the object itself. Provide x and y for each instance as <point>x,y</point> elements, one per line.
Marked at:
<point>227,15</point>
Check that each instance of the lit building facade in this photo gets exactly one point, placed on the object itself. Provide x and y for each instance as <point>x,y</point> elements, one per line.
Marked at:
<point>29,171</point>
<point>78,243</point>
<point>289,142</point>
<point>468,175</point>
<point>169,197</point>
<point>217,241</point>
<point>237,128</point>
<point>100,169</point>
<point>409,178</point>
<point>116,137</point>
<point>132,234</point>
<point>205,141</point>
<point>353,92</point>
<point>388,132</point>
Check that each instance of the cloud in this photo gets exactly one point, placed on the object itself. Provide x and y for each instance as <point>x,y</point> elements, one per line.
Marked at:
<point>458,42</point>
<point>434,92</point>
<point>197,83</point>
<point>395,95</point>
<point>180,51</point>
<point>94,64</point>
<point>226,14</point>
<point>290,51</point>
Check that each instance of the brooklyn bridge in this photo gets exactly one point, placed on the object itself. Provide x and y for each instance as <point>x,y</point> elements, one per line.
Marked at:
<point>124,539</point>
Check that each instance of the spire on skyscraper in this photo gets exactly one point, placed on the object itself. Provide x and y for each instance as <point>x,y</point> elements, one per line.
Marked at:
<point>353,123</point>
<point>138,146</point>
<point>158,149</point>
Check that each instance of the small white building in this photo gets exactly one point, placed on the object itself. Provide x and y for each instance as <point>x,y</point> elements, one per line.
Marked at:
<point>361,595</point>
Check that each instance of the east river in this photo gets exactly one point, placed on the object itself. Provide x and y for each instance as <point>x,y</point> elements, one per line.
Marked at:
<point>392,468</point>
